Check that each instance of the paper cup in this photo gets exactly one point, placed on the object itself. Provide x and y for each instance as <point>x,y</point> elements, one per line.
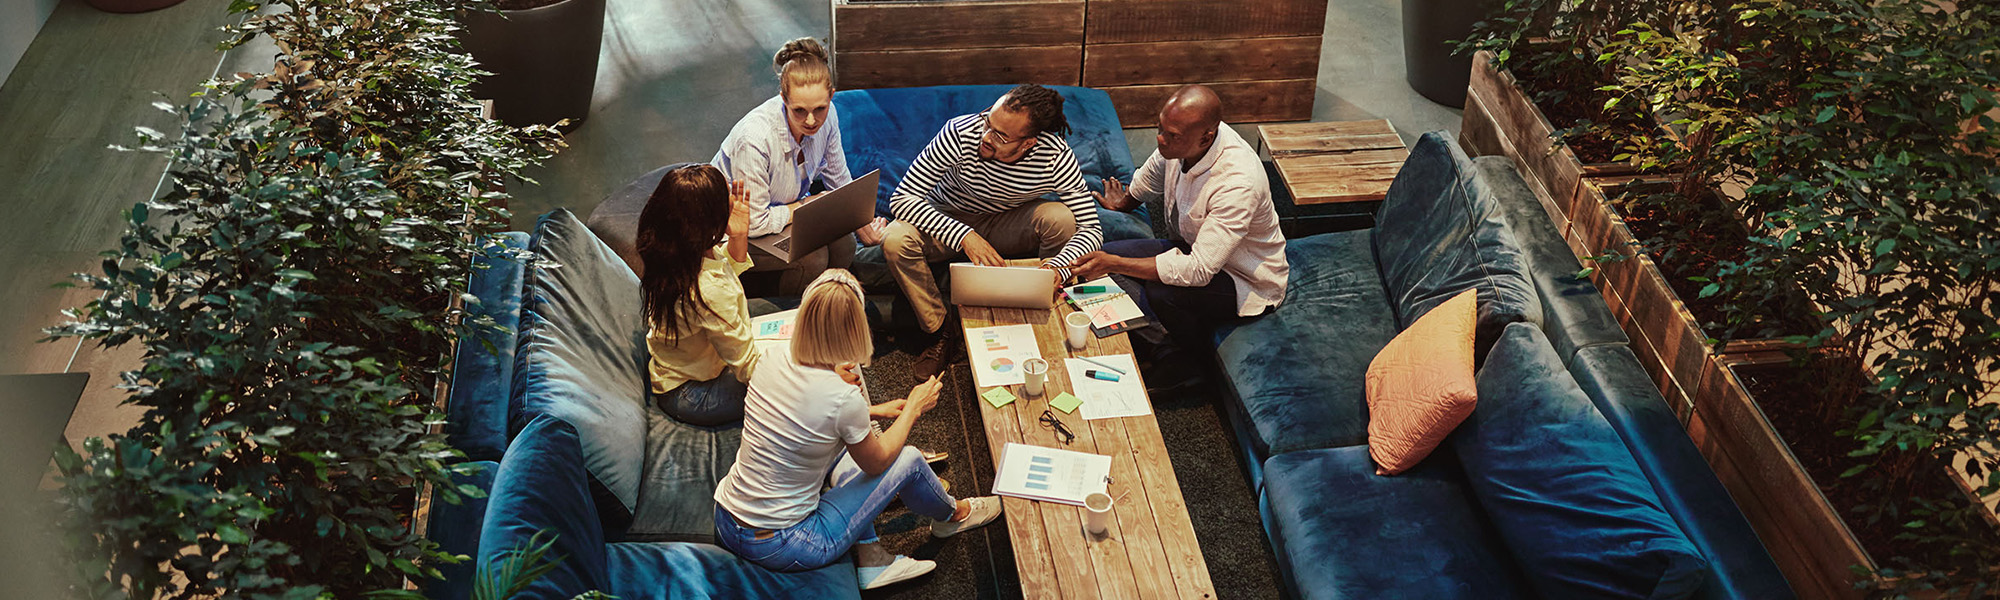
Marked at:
<point>1078,326</point>
<point>1036,374</point>
<point>1097,513</point>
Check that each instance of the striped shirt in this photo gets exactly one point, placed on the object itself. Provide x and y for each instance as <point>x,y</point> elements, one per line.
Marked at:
<point>949,175</point>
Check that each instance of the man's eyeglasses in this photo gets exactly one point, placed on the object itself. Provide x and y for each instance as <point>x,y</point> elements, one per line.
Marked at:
<point>1063,434</point>
<point>1000,139</point>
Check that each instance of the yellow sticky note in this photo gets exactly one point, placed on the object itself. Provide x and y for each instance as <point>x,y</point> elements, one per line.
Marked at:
<point>1066,403</point>
<point>998,397</point>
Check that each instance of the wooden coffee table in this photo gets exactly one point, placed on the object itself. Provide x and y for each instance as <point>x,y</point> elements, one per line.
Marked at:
<point>1150,551</point>
<point>1339,161</point>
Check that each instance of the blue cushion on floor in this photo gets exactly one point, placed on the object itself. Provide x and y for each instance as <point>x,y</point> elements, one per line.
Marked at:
<point>683,465</point>
<point>1573,311</point>
<point>677,571</point>
<point>1556,480</point>
<point>1345,532</point>
<point>482,373</point>
<point>1738,565</point>
<point>582,356</point>
<point>1439,233</point>
<point>542,486</point>
<point>1298,372</point>
<point>455,528</point>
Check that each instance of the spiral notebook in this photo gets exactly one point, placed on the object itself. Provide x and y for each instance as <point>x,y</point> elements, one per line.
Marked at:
<point>1111,310</point>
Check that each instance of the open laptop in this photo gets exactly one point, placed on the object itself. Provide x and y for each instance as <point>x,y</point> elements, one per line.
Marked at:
<point>1006,287</point>
<point>820,221</point>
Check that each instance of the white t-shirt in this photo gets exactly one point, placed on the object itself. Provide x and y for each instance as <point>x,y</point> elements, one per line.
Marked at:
<point>796,421</point>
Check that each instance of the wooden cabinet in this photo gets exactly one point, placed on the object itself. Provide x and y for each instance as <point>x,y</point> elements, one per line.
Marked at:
<point>1260,56</point>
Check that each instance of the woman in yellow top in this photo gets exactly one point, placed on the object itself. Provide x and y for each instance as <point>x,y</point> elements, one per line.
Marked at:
<point>694,242</point>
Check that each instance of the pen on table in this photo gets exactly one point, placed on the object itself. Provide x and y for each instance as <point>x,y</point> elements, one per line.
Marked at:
<point>1114,369</point>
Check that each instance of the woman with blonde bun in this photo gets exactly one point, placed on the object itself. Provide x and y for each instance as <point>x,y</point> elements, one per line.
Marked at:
<point>781,149</point>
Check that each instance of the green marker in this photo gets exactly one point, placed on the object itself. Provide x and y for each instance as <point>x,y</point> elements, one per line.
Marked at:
<point>1089,289</point>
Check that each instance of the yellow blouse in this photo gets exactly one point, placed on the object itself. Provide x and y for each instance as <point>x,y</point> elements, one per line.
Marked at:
<point>711,338</point>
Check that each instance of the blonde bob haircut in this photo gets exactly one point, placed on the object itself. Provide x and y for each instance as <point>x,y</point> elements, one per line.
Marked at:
<point>833,326</point>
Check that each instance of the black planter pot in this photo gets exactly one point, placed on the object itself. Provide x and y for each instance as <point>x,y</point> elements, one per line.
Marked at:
<point>544,60</point>
<point>1431,29</point>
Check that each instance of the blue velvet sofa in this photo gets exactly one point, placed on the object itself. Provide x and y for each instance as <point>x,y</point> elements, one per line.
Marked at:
<point>1571,479</point>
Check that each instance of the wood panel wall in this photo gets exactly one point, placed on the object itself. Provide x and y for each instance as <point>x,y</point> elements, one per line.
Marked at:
<point>910,44</point>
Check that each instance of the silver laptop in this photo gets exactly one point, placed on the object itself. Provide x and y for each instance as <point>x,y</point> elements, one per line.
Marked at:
<point>820,221</point>
<point>1006,287</point>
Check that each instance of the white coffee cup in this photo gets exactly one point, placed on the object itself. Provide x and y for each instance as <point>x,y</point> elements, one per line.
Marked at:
<point>1078,326</point>
<point>1036,373</point>
<point>1097,513</point>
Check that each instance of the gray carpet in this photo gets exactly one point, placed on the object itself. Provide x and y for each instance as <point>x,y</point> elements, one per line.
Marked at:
<point>980,563</point>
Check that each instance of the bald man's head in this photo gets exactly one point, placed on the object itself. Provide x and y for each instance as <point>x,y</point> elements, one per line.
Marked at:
<point>1188,122</point>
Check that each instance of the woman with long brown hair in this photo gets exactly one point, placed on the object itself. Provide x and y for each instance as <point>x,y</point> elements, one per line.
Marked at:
<point>693,242</point>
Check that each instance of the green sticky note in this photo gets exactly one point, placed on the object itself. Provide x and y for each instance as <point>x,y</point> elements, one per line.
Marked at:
<point>998,397</point>
<point>1066,403</point>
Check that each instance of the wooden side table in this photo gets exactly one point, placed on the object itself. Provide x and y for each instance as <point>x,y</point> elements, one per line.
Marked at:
<point>1335,174</point>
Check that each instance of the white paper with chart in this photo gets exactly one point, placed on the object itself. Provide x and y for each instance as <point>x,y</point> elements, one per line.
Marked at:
<point>1050,474</point>
<point>773,329</point>
<point>1109,399</point>
<point>996,353</point>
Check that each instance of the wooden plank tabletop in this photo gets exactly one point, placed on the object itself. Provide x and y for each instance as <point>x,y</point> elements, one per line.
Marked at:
<point>1341,161</point>
<point>1150,550</point>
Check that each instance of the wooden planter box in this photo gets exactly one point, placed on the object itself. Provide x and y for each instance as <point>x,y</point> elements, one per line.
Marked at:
<point>963,42</point>
<point>1500,120</point>
<point>1803,532</point>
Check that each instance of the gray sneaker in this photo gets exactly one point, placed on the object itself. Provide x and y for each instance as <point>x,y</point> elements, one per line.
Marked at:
<point>984,510</point>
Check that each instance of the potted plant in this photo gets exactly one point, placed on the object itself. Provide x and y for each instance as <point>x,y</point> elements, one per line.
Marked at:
<point>293,292</point>
<point>541,56</point>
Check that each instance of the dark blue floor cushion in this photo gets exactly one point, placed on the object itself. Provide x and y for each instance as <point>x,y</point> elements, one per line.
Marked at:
<point>677,571</point>
<point>1573,312</point>
<point>483,370</point>
<point>582,356</point>
<point>683,465</point>
<point>1688,489</point>
<point>455,528</point>
<point>1439,234</point>
<point>1346,533</point>
<point>1298,371</point>
<point>1556,481</point>
<point>542,486</point>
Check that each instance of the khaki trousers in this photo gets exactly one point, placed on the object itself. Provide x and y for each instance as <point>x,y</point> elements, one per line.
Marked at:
<point>1039,227</point>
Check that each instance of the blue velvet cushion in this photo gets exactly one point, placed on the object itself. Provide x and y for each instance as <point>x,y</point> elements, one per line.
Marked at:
<point>1557,482</point>
<point>1573,313</point>
<point>1439,233</point>
<point>1298,372</point>
<point>886,129</point>
<point>582,356</point>
<point>455,528</point>
<point>676,571</point>
<point>541,486</point>
<point>1738,565</point>
<point>1344,532</point>
<point>481,407</point>
<point>683,465</point>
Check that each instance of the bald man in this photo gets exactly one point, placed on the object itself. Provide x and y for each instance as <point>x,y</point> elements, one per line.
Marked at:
<point>1224,259</point>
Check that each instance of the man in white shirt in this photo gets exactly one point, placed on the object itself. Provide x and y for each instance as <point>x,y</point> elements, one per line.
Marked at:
<point>1220,222</point>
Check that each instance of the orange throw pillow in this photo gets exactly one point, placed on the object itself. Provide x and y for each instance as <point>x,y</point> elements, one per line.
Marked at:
<point>1421,385</point>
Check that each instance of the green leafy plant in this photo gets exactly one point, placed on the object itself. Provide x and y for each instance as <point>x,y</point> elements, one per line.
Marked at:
<point>294,294</point>
<point>514,569</point>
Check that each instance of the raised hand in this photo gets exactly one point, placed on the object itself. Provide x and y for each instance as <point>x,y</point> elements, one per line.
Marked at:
<point>739,211</point>
<point>1114,196</point>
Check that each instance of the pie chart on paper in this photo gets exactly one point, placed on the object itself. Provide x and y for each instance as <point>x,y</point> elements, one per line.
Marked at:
<point>1003,365</point>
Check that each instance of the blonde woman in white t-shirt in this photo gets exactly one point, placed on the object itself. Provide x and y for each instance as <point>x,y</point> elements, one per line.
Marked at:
<point>800,422</point>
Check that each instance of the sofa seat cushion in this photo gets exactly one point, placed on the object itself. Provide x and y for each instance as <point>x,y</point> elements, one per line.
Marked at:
<point>1342,531</point>
<point>482,406</point>
<point>886,129</point>
<point>582,356</point>
<point>455,528</point>
<point>683,465</point>
<point>1298,373</point>
<point>1439,233</point>
<point>541,486</point>
<point>1573,312</point>
<point>678,571</point>
<point>1738,565</point>
<point>1557,482</point>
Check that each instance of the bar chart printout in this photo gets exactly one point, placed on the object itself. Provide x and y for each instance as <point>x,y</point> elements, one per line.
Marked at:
<point>1050,474</point>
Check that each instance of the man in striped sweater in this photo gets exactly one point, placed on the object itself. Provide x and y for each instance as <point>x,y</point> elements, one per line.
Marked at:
<point>976,191</point>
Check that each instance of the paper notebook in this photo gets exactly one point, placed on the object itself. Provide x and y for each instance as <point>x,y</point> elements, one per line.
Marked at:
<point>1050,474</point>
<point>1111,310</point>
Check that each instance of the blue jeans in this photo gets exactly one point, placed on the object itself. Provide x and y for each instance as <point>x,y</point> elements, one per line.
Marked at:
<point>845,516</point>
<point>1185,317</point>
<point>705,403</point>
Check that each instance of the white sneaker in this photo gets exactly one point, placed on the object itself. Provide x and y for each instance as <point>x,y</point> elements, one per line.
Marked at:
<point>903,568</point>
<point>984,510</point>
